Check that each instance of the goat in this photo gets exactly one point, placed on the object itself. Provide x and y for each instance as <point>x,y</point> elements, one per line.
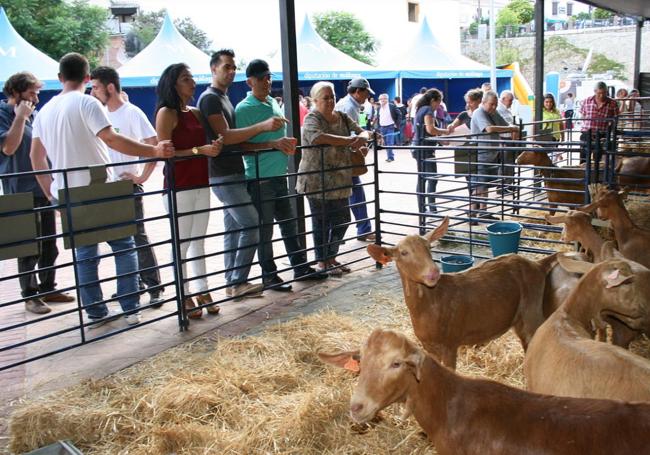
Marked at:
<point>564,360</point>
<point>633,241</point>
<point>558,189</point>
<point>578,228</point>
<point>463,416</point>
<point>470,307</point>
<point>633,172</point>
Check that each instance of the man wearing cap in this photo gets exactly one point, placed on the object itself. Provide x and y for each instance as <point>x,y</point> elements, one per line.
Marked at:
<point>358,92</point>
<point>268,184</point>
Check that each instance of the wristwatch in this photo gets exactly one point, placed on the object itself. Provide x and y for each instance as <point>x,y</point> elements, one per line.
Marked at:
<point>195,150</point>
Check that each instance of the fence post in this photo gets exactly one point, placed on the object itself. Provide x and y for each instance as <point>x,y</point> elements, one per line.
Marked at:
<point>183,320</point>
<point>375,152</point>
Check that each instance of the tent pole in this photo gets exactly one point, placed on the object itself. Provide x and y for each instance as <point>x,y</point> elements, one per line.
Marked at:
<point>539,59</point>
<point>493,51</point>
<point>637,53</point>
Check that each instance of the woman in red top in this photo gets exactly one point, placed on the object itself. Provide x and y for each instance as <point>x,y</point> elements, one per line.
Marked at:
<point>181,123</point>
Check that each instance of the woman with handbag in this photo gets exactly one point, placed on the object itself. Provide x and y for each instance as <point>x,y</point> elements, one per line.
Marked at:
<point>427,125</point>
<point>325,173</point>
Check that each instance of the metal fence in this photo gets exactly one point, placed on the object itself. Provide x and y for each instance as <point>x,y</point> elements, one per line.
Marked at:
<point>448,177</point>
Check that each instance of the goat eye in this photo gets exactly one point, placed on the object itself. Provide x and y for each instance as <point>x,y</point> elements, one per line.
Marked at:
<point>404,253</point>
<point>395,364</point>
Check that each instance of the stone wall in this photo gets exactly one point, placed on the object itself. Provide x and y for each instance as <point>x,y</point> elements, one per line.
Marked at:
<point>615,43</point>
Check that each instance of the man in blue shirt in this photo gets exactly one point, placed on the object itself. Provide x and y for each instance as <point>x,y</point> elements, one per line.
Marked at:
<point>268,182</point>
<point>16,117</point>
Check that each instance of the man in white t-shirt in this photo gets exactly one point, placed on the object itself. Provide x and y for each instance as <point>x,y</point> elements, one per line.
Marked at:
<point>129,120</point>
<point>72,130</point>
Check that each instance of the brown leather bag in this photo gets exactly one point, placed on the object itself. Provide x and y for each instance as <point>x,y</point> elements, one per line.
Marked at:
<point>359,163</point>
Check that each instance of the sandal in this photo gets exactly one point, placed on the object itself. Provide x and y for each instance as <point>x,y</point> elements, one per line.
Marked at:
<point>206,299</point>
<point>191,310</point>
<point>333,270</point>
<point>341,267</point>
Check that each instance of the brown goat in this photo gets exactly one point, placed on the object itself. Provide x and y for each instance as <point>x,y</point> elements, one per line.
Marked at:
<point>564,360</point>
<point>555,179</point>
<point>633,241</point>
<point>634,172</point>
<point>578,228</point>
<point>475,306</point>
<point>463,416</point>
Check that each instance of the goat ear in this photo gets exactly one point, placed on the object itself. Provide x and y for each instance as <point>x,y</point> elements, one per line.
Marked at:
<point>438,232</point>
<point>624,193</point>
<point>572,265</point>
<point>380,254</point>
<point>608,251</point>
<point>589,207</point>
<point>556,219</point>
<point>415,362</point>
<point>348,360</point>
<point>616,277</point>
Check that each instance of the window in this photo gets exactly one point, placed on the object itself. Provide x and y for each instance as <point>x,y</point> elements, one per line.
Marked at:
<point>554,12</point>
<point>569,9</point>
<point>414,12</point>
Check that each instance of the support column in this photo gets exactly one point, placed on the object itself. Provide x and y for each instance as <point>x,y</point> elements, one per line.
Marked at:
<point>637,53</point>
<point>539,59</point>
<point>290,89</point>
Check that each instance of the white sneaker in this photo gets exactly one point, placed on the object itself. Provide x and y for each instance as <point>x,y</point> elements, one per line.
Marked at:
<point>98,322</point>
<point>133,319</point>
<point>248,290</point>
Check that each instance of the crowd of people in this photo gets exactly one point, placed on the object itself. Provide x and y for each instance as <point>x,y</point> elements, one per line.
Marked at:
<point>214,146</point>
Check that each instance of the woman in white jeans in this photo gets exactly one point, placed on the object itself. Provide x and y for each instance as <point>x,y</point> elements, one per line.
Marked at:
<point>181,123</point>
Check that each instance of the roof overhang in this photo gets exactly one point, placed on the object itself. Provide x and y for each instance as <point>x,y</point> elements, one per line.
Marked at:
<point>639,8</point>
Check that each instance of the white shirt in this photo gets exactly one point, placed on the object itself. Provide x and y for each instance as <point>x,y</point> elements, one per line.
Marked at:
<point>414,103</point>
<point>385,119</point>
<point>130,121</point>
<point>67,126</point>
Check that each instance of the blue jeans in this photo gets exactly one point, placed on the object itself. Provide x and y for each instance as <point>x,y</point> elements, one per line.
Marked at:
<point>360,212</point>
<point>389,133</point>
<point>330,218</point>
<point>270,199</point>
<point>241,225</point>
<point>125,262</point>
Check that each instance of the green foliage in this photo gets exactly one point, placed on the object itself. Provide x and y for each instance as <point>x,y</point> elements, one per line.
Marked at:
<point>601,64</point>
<point>506,55</point>
<point>147,25</point>
<point>524,10</point>
<point>583,16</point>
<point>345,32</point>
<point>57,27</point>
<point>600,13</point>
<point>507,21</point>
<point>473,27</point>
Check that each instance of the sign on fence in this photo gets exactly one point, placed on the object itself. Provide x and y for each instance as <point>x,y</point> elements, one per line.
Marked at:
<point>17,227</point>
<point>94,211</point>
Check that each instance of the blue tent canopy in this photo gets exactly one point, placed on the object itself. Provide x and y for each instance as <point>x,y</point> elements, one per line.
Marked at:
<point>167,48</point>
<point>16,55</point>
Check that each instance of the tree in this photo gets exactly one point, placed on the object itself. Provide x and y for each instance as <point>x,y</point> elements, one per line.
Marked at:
<point>346,33</point>
<point>583,16</point>
<point>524,10</point>
<point>146,26</point>
<point>600,13</point>
<point>57,27</point>
<point>507,21</point>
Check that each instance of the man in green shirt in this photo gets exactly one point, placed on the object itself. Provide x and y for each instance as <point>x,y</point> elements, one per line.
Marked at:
<point>268,182</point>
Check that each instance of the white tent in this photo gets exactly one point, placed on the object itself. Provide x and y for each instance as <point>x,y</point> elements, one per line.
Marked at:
<point>319,60</point>
<point>167,48</point>
<point>16,54</point>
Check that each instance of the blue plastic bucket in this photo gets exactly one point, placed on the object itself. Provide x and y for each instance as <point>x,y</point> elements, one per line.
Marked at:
<point>456,263</point>
<point>504,237</point>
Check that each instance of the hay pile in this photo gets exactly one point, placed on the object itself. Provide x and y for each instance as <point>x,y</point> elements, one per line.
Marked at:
<point>255,395</point>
